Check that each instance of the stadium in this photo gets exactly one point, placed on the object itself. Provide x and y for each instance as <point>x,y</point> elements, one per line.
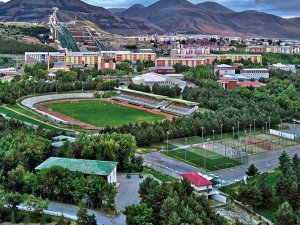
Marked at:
<point>90,113</point>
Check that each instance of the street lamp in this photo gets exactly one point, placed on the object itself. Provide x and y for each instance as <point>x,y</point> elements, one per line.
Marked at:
<point>239,130</point>
<point>233,133</point>
<point>269,123</point>
<point>266,127</point>
<point>221,132</point>
<point>250,130</point>
<point>254,127</point>
<point>168,141</point>
<point>202,134</point>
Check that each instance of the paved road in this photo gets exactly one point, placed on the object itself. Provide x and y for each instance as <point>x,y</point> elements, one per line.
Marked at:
<point>264,162</point>
<point>161,159</point>
<point>127,195</point>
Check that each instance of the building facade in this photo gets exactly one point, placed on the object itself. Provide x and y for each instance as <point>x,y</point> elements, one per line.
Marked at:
<point>255,73</point>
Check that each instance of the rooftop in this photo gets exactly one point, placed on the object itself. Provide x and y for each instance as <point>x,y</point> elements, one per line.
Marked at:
<point>101,168</point>
<point>196,179</point>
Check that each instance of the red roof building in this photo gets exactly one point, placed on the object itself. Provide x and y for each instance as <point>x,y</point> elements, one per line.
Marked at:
<point>199,183</point>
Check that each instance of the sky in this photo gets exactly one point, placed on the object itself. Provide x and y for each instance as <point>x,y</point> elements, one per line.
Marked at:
<point>285,8</point>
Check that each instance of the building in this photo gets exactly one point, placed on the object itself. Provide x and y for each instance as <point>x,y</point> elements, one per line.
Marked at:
<point>231,83</point>
<point>175,53</point>
<point>154,78</point>
<point>71,59</point>
<point>191,62</point>
<point>224,69</point>
<point>201,184</point>
<point>196,60</point>
<point>59,141</point>
<point>8,71</point>
<point>255,73</point>
<point>105,169</point>
<point>163,69</point>
<point>280,66</point>
<point>133,56</point>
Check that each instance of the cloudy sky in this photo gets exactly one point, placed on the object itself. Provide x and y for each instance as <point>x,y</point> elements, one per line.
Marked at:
<point>286,8</point>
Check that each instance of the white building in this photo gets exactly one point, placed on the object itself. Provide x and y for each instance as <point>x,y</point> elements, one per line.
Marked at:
<point>8,71</point>
<point>154,78</point>
<point>280,66</point>
<point>200,183</point>
<point>224,69</point>
<point>255,73</point>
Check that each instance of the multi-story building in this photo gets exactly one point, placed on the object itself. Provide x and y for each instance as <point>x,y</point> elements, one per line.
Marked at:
<point>224,69</point>
<point>196,60</point>
<point>70,59</point>
<point>280,66</point>
<point>133,57</point>
<point>255,73</point>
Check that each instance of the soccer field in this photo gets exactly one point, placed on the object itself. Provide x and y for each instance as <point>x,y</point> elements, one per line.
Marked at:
<point>199,157</point>
<point>101,113</point>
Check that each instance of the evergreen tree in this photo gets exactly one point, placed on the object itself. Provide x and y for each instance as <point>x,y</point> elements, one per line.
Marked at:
<point>285,215</point>
<point>252,171</point>
<point>83,217</point>
<point>139,214</point>
<point>250,193</point>
<point>284,162</point>
<point>266,189</point>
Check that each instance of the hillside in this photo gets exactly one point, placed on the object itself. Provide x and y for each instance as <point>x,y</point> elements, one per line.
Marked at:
<point>39,10</point>
<point>213,18</point>
<point>214,7</point>
<point>116,10</point>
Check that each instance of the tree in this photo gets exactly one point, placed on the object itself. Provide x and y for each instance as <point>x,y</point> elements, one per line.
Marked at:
<point>250,193</point>
<point>66,150</point>
<point>285,215</point>
<point>284,162</point>
<point>139,214</point>
<point>266,189</point>
<point>35,204</point>
<point>83,218</point>
<point>252,171</point>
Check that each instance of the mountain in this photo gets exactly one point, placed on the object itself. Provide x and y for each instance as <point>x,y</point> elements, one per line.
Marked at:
<point>39,10</point>
<point>133,10</point>
<point>214,7</point>
<point>212,18</point>
<point>295,20</point>
<point>116,10</point>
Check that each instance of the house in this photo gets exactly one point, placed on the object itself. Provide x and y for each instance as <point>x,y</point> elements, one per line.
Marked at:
<point>224,69</point>
<point>163,70</point>
<point>200,183</point>
<point>106,169</point>
<point>229,83</point>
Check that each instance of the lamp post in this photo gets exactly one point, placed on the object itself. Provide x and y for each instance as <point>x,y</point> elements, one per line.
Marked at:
<point>221,132</point>
<point>239,130</point>
<point>202,135</point>
<point>232,133</point>
<point>266,127</point>
<point>250,130</point>
<point>269,123</point>
<point>254,127</point>
<point>168,142</point>
<point>185,148</point>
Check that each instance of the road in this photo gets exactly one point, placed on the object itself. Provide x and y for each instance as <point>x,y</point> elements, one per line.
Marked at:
<point>127,195</point>
<point>264,162</point>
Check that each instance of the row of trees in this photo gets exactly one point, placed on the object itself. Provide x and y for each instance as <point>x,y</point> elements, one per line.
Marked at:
<point>172,204</point>
<point>157,89</point>
<point>259,191</point>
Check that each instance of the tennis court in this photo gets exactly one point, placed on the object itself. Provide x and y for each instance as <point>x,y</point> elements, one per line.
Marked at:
<point>202,158</point>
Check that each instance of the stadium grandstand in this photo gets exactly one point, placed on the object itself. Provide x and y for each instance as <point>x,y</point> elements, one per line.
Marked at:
<point>164,103</point>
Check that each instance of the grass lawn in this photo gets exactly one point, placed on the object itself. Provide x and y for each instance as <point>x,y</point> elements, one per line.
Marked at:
<point>25,119</point>
<point>199,157</point>
<point>269,213</point>
<point>100,113</point>
<point>158,175</point>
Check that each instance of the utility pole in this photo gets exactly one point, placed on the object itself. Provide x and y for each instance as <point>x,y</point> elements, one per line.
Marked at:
<point>254,127</point>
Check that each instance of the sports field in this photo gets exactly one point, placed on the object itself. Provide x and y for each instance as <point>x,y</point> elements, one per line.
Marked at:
<point>202,158</point>
<point>101,113</point>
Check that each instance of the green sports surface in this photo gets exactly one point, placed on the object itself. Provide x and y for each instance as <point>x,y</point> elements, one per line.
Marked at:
<point>201,158</point>
<point>101,113</point>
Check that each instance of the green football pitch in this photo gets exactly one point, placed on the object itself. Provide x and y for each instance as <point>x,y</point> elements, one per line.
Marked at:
<point>201,158</point>
<point>101,113</point>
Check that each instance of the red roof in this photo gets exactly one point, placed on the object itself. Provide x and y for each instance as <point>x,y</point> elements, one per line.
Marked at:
<point>251,84</point>
<point>196,179</point>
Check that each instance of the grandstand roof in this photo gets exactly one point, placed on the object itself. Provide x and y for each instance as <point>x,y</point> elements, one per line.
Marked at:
<point>161,97</point>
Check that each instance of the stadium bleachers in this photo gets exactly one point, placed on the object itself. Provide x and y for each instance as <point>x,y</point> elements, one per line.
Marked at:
<point>139,100</point>
<point>174,106</point>
<point>180,109</point>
